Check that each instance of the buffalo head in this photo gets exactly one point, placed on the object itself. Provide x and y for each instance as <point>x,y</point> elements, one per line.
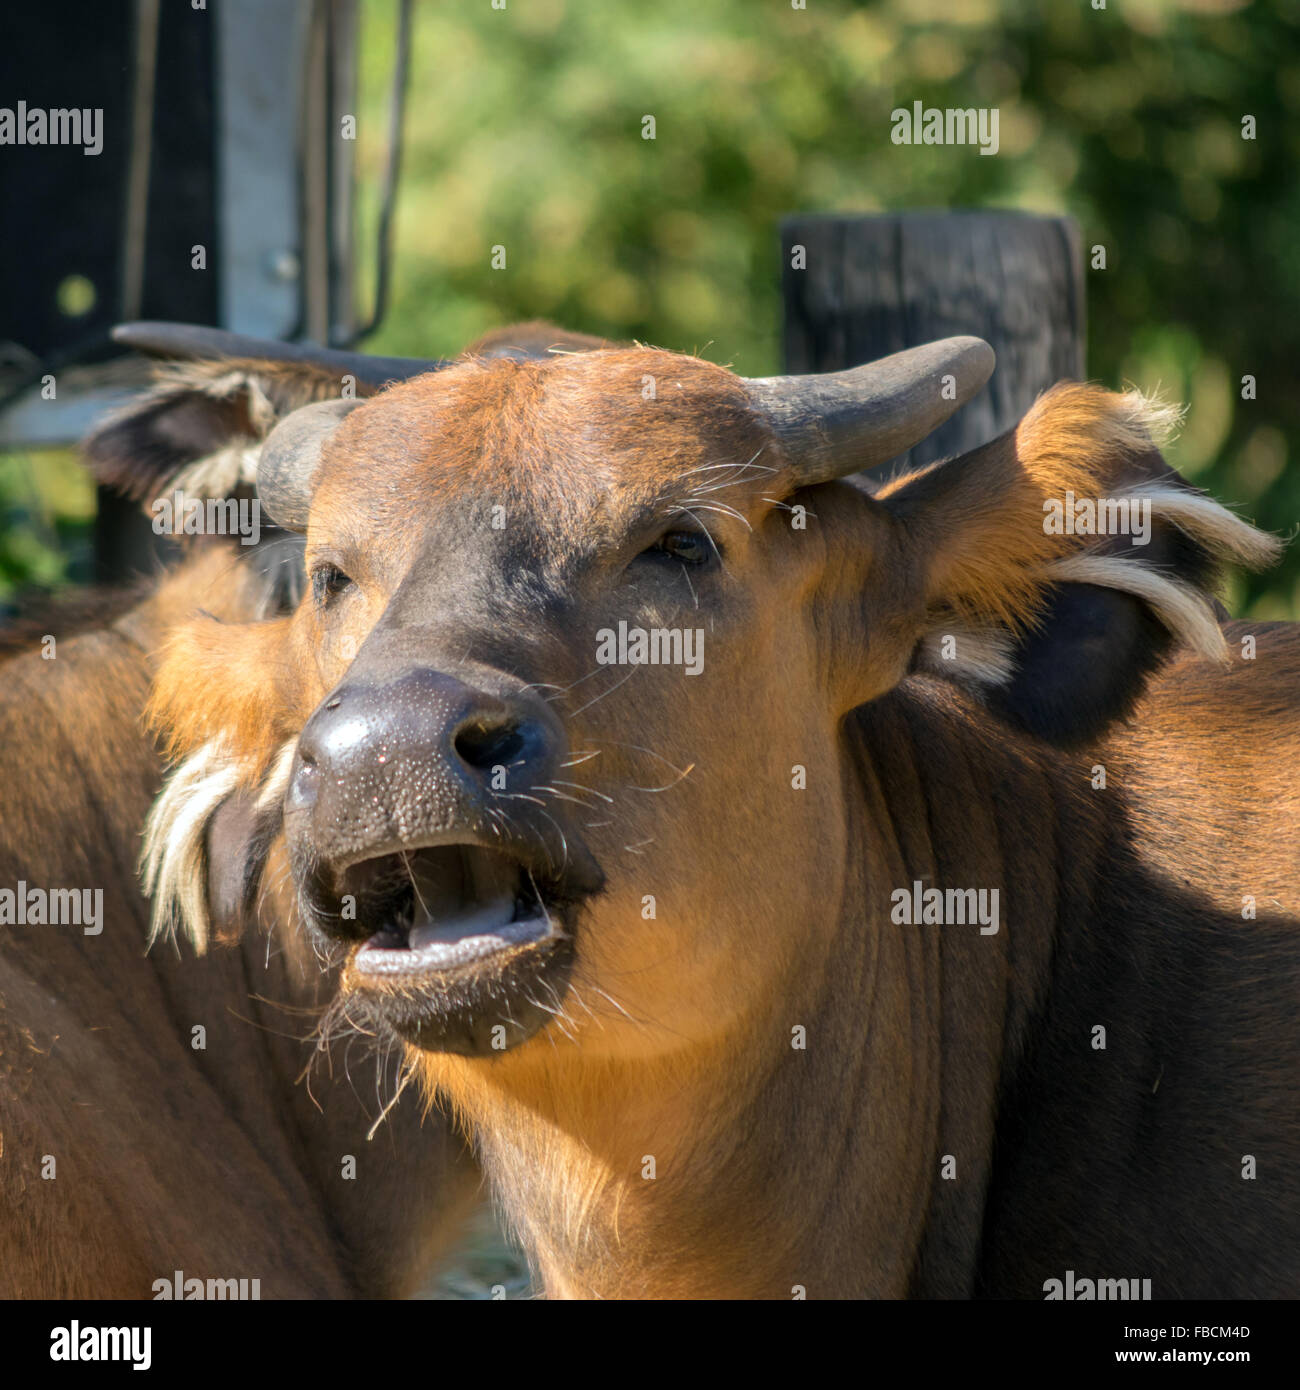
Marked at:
<point>554,736</point>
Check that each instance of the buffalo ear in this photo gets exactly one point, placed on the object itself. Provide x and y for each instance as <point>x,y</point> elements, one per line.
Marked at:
<point>1057,627</point>
<point>236,846</point>
<point>1084,659</point>
<point>1088,657</point>
<point>200,427</point>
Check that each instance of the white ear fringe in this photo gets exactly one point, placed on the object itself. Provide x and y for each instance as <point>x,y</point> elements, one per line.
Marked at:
<point>218,474</point>
<point>1143,420</point>
<point>277,780</point>
<point>1184,610</point>
<point>1225,535</point>
<point>173,865</point>
<point>985,656</point>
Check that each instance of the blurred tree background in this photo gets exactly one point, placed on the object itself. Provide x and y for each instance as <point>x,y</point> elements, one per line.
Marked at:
<point>524,130</point>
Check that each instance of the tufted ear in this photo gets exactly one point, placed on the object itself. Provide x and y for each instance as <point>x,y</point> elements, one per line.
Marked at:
<point>200,427</point>
<point>207,843</point>
<point>218,395</point>
<point>1060,564</point>
<point>236,846</point>
<point>215,702</point>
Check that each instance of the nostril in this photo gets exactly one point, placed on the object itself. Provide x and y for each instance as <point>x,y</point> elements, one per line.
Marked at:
<point>307,757</point>
<point>488,746</point>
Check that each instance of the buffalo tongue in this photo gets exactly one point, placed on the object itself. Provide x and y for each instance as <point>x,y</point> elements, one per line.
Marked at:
<point>441,885</point>
<point>443,928</point>
<point>461,892</point>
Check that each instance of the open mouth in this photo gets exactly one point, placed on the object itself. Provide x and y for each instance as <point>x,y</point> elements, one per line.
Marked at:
<point>445,909</point>
<point>456,947</point>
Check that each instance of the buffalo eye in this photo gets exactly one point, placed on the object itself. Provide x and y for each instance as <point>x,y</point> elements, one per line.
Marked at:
<point>693,548</point>
<point>327,583</point>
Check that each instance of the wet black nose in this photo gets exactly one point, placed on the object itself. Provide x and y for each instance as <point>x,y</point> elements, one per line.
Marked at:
<point>425,716</point>
<point>417,755</point>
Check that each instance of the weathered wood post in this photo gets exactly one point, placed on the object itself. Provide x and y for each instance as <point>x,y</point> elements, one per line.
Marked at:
<point>869,285</point>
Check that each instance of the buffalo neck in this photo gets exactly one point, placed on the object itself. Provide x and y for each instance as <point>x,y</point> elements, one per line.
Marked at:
<point>855,1165</point>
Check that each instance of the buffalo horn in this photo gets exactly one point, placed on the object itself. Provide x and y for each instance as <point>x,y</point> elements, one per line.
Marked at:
<point>837,423</point>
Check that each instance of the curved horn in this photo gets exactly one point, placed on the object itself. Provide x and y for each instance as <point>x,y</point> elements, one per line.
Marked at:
<point>287,463</point>
<point>839,422</point>
<point>188,340</point>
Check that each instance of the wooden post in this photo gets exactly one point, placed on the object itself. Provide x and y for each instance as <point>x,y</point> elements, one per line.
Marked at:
<point>872,285</point>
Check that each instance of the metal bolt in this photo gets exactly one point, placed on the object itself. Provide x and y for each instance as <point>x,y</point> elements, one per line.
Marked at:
<point>283,265</point>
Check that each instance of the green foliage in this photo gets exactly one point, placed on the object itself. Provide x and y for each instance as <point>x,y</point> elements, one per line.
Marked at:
<point>47,503</point>
<point>525,131</point>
